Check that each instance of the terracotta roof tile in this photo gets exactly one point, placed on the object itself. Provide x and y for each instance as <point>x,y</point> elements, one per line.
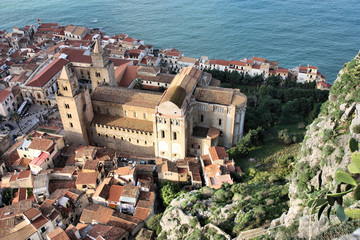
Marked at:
<point>125,171</point>
<point>132,97</point>
<point>47,73</point>
<point>91,164</point>
<point>31,213</point>
<point>84,178</point>
<point>24,174</point>
<point>259,59</point>
<point>4,94</point>
<point>41,144</point>
<point>106,232</point>
<point>218,153</point>
<point>115,193</point>
<point>57,234</point>
<point>142,213</point>
<point>39,222</point>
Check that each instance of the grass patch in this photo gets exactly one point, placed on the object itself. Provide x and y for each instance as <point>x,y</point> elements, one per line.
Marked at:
<point>272,149</point>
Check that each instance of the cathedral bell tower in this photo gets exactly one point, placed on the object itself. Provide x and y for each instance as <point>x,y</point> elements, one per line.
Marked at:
<point>75,108</point>
<point>102,70</point>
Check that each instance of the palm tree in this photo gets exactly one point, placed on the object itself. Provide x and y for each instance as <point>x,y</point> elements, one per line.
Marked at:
<point>15,116</point>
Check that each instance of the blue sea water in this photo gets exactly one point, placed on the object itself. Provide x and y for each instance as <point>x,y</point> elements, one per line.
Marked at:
<point>325,33</point>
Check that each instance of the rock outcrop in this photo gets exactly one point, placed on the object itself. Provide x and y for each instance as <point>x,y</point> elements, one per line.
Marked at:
<point>324,150</point>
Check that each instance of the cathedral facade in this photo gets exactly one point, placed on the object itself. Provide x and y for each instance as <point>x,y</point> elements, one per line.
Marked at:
<point>185,120</point>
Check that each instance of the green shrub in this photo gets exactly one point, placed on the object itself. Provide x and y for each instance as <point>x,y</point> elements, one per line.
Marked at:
<point>154,223</point>
<point>328,150</point>
<point>219,237</point>
<point>327,135</point>
<point>169,191</point>
<point>285,136</point>
<point>339,157</point>
<point>222,195</point>
<point>353,145</point>
<point>194,222</point>
<point>273,178</point>
<point>356,128</point>
<point>196,235</point>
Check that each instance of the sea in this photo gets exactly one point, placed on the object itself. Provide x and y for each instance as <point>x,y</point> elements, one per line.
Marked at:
<point>324,33</point>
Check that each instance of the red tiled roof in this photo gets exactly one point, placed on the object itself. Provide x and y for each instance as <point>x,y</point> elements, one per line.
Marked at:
<point>40,160</point>
<point>324,84</point>
<point>24,174</point>
<point>237,63</point>
<point>126,74</point>
<point>39,222</point>
<point>219,62</point>
<point>182,170</point>
<point>142,213</point>
<point>282,70</point>
<point>125,171</point>
<point>218,153</point>
<point>76,55</point>
<point>303,69</point>
<point>312,67</point>
<point>58,234</point>
<point>115,193</point>
<point>259,59</point>
<point>49,72</point>
<point>31,213</point>
<point>128,40</point>
<point>4,94</point>
<point>118,61</point>
<point>46,25</point>
<point>41,144</point>
<point>86,178</point>
<point>173,53</point>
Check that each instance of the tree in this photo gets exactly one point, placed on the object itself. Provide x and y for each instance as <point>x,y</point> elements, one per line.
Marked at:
<point>169,191</point>
<point>154,223</point>
<point>138,83</point>
<point>8,195</point>
<point>285,136</point>
<point>15,116</point>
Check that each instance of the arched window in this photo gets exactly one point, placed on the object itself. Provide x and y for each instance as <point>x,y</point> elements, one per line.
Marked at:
<point>162,134</point>
<point>174,135</point>
<point>219,122</point>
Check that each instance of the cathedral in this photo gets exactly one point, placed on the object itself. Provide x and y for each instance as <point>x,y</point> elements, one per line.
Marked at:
<point>188,118</point>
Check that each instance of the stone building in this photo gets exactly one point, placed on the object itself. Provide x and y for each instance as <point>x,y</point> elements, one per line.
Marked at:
<point>187,119</point>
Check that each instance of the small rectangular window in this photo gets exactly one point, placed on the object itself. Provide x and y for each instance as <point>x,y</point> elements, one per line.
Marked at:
<point>219,122</point>
<point>71,125</point>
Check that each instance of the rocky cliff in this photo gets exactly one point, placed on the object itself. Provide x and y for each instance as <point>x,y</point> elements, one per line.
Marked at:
<point>324,150</point>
